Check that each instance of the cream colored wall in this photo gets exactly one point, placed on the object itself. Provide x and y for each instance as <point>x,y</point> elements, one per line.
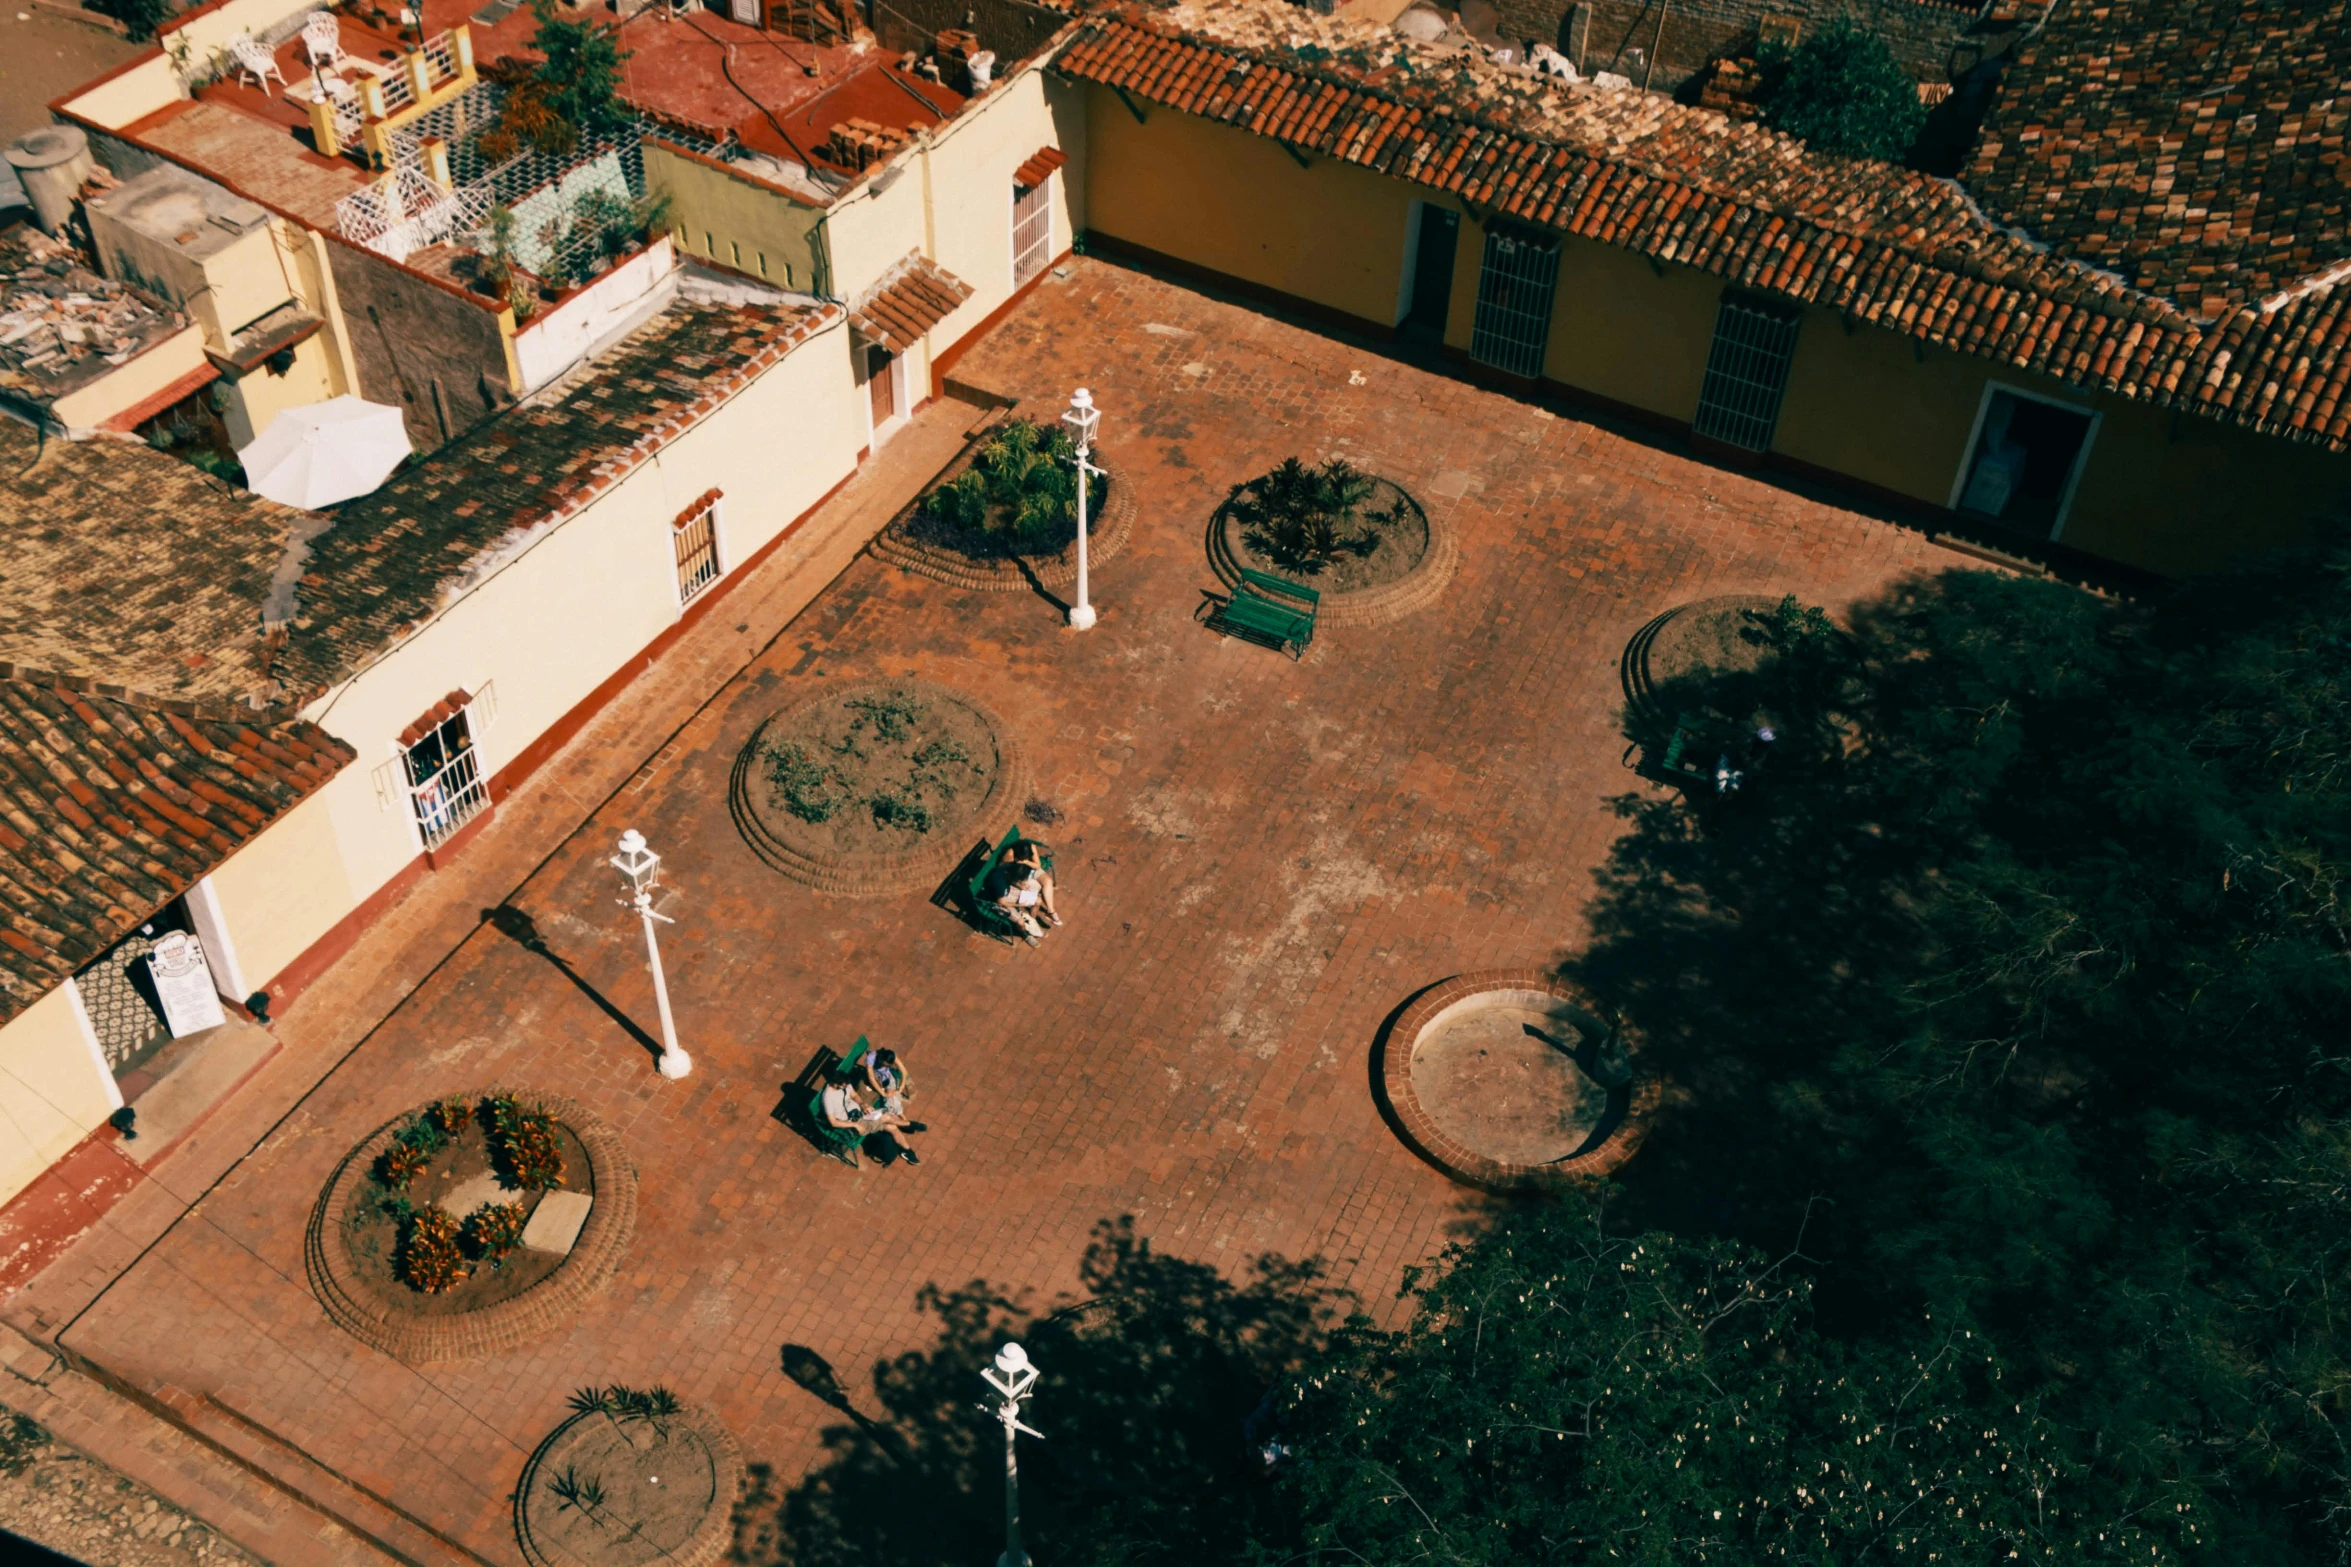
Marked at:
<point>719,216</point>
<point>53,1089</point>
<point>1237,203</point>
<point>132,382</point>
<point>207,34</point>
<point>259,397</point>
<point>130,95</point>
<point>967,176</point>
<point>567,610</point>
<point>289,886</point>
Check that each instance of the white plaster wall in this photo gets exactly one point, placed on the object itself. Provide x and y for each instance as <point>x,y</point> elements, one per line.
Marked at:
<point>53,1089</point>
<point>546,346</point>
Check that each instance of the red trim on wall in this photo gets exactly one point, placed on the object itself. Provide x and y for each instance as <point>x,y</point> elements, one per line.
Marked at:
<point>58,103</point>
<point>63,1203</point>
<point>443,854</point>
<point>321,955</point>
<point>186,386</point>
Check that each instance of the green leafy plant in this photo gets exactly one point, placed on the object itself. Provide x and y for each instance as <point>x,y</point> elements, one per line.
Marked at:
<point>892,809</point>
<point>495,1231</point>
<point>1304,518</point>
<point>1018,496</point>
<point>571,1490</point>
<point>580,71</point>
<point>1840,90</point>
<point>524,1144</point>
<point>141,17</point>
<point>653,1408</point>
<point>451,1115</point>
<point>431,1259</point>
<point>498,266</point>
<point>892,714</point>
<point>801,784</point>
<point>412,1148</point>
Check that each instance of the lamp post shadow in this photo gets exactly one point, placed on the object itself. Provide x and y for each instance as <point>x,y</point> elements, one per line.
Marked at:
<point>523,931</point>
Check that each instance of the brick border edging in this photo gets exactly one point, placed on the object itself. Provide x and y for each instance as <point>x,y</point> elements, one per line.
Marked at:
<point>710,1538</point>
<point>492,1329</point>
<point>1366,607</point>
<point>877,875</point>
<point>1105,539</point>
<point>1466,1164</point>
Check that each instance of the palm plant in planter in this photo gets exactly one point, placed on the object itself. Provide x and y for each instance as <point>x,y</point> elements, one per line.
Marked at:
<point>1018,497</point>
<point>1302,518</point>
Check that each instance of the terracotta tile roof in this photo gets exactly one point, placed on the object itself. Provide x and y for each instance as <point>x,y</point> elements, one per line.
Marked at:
<point>1881,244</point>
<point>109,809</point>
<point>2195,147</point>
<point>395,557</point>
<point>1040,167</point>
<point>62,325</point>
<point>135,570</point>
<point>912,297</point>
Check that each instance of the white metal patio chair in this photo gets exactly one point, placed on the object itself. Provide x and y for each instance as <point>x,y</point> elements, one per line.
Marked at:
<point>253,60</point>
<point>322,40</point>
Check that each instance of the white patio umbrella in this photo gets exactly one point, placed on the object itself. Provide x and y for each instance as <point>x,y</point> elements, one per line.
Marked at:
<point>322,453</point>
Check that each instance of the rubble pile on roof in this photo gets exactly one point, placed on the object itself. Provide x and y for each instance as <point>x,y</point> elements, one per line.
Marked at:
<point>61,324</point>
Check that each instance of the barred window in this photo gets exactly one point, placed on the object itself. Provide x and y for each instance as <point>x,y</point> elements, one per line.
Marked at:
<point>694,538</point>
<point>441,768</point>
<point>1032,229</point>
<point>1516,282</point>
<point>1746,371</point>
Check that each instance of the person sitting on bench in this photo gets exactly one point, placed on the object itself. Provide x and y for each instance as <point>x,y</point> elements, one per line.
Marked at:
<point>1025,895</point>
<point>844,1111</point>
<point>888,1081</point>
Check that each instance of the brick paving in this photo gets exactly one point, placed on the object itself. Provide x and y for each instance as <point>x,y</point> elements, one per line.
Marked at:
<point>1261,860</point>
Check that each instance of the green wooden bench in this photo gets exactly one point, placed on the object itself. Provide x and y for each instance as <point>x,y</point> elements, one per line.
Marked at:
<point>1270,612</point>
<point>840,1141</point>
<point>990,917</point>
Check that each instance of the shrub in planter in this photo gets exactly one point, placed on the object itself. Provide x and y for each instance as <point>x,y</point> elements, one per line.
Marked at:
<point>1304,518</point>
<point>1019,495</point>
<point>494,1232</point>
<point>413,1147</point>
<point>815,782</point>
<point>430,1258</point>
<point>524,1144</point>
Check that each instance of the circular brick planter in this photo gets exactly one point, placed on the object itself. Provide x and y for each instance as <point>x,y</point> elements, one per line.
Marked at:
<point>668,1498</point>
<point>1390,601</point>
<point>1692,638</point>
<point>1106,535</point>
<point>373,1315</point>
<point>1477,1090</point>
<point>771,833</point>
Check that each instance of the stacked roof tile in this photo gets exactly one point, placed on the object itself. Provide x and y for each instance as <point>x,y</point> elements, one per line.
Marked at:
<point>911,298</point>
<point>110,808</point>
<point>2195,147</point>
<point>1881,244</point>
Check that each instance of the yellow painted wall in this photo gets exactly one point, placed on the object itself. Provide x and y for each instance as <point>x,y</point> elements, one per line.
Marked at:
<point>134,381</point>
<point>257,398</point>
<point>1237,203</point>
<point>52,1090</point>
<point>132,95</point>
<point>720,216</point>
<point>287,887</point>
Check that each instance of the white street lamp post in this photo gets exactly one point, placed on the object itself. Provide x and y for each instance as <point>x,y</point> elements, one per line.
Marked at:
<point>1013,1378</point>
<point>1083,419</point>
<point>642,867</point>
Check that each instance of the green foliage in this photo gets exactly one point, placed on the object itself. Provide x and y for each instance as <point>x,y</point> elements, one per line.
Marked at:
<point>21,1440</point>
<point>581,71</point>
<point>816,790</point>
<point>493,1232</point>
<point>1841,91</point>
<point>803,785</point>
<point>524,1144</point>
<point>412,1148</point>
<point>431,1258</point>
<point>892,715</point>
<point>573,1491</point>
<point>1020,493</point>
<point>142,17</point>
<point>500,264</point>
<point>1304,518</point>
<point>451,1116</point>
<point>2032,964</point>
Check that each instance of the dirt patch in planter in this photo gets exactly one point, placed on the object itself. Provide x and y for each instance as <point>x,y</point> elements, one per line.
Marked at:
<point>875,788</point>
<point>603,1492</point>
<point>351,1249</point>
<point>1412,560</point>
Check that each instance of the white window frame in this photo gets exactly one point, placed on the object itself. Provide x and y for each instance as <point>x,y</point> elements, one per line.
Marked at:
<point>1044,188</point>
<point>1975,433</point>
<point>716,512</point>
<point>393,784</point>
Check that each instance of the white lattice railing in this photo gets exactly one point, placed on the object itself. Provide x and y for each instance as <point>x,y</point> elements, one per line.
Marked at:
<point>405,211</point>
<point>440,53</point>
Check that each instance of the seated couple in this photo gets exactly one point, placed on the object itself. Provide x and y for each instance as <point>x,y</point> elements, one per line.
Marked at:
<point>1021,889</point>
<point>883,1124</point>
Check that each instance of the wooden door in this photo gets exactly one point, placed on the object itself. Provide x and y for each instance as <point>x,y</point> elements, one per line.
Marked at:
<point>881,383</point>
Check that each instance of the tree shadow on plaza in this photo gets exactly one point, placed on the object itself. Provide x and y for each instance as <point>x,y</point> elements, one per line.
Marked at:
<point>1150,1399</point>
<point>519,928</point>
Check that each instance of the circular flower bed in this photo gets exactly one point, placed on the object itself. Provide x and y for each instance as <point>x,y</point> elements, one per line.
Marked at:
<point>1713,636</point>
<point>633,1477</point>
<point>1005,516</point>
<point>874,789</point>
<point>1360,541</point>
<point>417,1245</point>
<point>1512,1079</point>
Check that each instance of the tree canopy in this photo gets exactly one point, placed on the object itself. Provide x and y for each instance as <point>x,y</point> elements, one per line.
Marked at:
<point>1841,90</point>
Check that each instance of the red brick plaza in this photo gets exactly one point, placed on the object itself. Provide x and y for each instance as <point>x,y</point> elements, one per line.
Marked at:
<point>1260,861</point>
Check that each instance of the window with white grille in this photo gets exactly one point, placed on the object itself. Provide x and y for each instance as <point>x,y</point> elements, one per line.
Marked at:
<point>694,540</point>
<point>442,770</point>
<point>1746,372</point>
<point>1032,229</point>
<point>1516,282</point>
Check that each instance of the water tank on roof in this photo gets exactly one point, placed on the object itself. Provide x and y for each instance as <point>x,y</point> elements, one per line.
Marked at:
<point>51,163</point>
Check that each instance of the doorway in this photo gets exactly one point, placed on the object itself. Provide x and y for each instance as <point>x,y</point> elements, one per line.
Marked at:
<point>125,1010</point>
<point>881,386</point>
<point>1429,289</point>
<point>2026,460</point>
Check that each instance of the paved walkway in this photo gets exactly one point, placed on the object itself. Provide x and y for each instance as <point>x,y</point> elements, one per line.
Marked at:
<point>1261,860</point>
